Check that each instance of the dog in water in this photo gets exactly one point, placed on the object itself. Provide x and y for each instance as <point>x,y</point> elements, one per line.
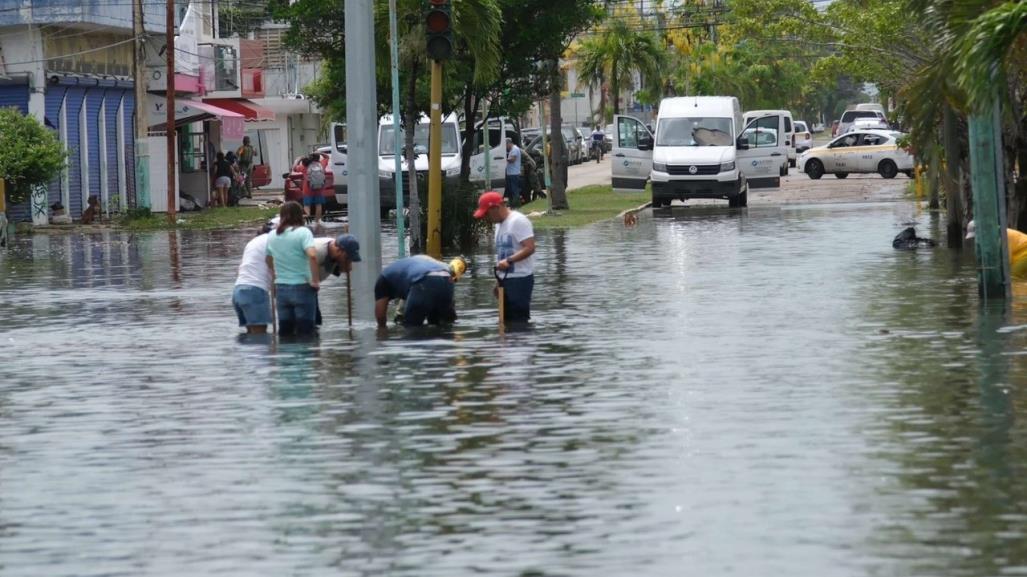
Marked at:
<point>630,218</point>
<point>908,240</point>
<point>92,210</point>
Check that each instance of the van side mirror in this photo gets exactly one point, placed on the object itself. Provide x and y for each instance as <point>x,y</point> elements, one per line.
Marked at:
<point>645,143</point>
<point>743,143</point>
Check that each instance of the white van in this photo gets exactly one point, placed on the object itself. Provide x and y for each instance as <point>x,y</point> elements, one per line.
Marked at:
<point>499,130</point>
<point>785,133</point>
<point>701,150</point>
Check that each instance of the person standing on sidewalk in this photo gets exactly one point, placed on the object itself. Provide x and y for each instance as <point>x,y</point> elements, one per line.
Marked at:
<point>513,174</point>
<point>515,250</point>
<point>245,154</point>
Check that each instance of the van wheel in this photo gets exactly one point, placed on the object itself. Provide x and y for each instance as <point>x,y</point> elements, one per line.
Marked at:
<point>743,199</point>
<point>887,169</point>
<point>841,175</point>
<point>815,169</point>
<point>732,201</point>
<point>791,163</point>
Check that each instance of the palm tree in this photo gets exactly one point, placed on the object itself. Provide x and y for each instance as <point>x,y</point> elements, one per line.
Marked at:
<point>615,52</point>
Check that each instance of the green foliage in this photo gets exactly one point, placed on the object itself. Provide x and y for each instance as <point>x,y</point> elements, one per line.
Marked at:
<point>460,230</point>
<point>30,155</point>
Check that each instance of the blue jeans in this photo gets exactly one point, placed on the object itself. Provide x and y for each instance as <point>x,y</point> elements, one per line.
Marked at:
<point>513,190</point>
<point>252,305</point>
<point>430,299</point>
<point>517,302</point>
<point>297,309</point>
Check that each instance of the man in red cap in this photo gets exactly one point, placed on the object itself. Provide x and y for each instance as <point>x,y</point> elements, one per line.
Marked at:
<point>515,250</point>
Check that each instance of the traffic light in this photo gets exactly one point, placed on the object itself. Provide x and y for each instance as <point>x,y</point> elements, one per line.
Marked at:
<point>439,28</point>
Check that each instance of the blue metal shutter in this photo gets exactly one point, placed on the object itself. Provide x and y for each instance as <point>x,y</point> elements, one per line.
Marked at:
<point>94,98</point>
<point>113,170</point>
<point>74,103</point>
<point>15,95</point>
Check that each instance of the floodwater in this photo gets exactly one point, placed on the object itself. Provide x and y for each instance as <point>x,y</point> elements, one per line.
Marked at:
<point>766,392</point>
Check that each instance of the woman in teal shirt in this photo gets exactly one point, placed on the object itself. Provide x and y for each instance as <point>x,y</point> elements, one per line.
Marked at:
<point>292,257</point>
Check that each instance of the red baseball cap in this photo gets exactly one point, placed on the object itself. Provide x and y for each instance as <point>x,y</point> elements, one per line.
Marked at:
<point>487,201</point>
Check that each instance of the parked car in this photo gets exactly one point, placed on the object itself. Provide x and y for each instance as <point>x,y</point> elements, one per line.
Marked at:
<point>865,151</point>
<point>575,144</point>
<point>608,141</point>
<point>850,116</point>
<point>294,182</point>
<point>803,137</point>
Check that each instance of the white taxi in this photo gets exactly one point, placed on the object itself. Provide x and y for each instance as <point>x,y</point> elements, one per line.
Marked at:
<point>864,151</point>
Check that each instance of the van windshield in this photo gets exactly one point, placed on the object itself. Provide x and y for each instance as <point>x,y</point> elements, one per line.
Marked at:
<point>694,132</point>
<point>449,139</point>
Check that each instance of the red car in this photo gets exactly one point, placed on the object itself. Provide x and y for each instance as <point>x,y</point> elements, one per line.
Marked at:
<point>294,182</point>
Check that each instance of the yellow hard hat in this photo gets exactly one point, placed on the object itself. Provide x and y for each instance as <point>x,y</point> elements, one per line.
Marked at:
<point>457,267</point>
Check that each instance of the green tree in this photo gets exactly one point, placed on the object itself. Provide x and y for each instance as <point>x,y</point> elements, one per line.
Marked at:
<point>30,155</point>
<point>615,52</point>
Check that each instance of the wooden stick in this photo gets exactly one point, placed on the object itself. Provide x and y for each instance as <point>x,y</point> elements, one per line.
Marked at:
<point>349,298</point>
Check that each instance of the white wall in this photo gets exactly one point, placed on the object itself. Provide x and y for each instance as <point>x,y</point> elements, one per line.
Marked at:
<point>23,56</point>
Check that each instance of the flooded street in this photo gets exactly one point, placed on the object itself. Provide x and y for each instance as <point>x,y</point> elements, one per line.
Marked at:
<point>774,391</point>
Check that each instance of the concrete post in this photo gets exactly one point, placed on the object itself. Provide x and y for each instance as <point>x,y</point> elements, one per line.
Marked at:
<point>362,126</point>
<point>988,176</point>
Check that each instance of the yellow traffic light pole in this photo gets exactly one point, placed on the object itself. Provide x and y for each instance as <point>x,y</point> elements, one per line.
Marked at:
<point>435,164</point>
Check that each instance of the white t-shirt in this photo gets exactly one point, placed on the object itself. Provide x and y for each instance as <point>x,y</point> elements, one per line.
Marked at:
<point>325,264</point>
<point>253,269</point>
<point>509,235</point>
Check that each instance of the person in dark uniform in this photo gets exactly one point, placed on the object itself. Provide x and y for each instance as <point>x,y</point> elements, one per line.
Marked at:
<point>427,286</point>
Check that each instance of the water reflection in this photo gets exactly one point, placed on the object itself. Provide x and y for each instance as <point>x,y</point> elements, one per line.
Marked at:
<point>772,391</point>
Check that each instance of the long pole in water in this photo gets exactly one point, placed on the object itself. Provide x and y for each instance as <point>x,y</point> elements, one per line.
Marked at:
<point>397,144</point>
<point>349,298</point>
<point>170,105</point>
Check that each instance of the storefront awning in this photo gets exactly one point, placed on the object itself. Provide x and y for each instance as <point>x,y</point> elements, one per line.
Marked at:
<point>186,112</point>
<point>250,110</point>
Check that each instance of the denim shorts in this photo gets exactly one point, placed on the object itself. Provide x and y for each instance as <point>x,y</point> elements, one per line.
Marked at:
<point>313,200</point>
<point>252,305</point>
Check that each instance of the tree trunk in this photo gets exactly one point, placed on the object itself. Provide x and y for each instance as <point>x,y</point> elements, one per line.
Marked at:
<point>602,99</point>
<point>615,88</point>
<point>467,150</point>
<point>410,117</point>
<point>558,162</point>
<point>953,195</point>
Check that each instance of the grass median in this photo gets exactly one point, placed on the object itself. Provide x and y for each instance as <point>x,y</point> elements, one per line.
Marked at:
<point>589,205</point>
<point>211,218</point>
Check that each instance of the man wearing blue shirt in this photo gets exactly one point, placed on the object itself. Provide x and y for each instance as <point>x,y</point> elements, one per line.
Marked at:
<point>427,286</point>
<point>513,174</point>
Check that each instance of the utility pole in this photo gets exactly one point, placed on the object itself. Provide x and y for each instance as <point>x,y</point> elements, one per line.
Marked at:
<point>142,146</point>
<point>397,138</point>
<point>439,32</point>
<point>435,164</point>
<point>362,126</point>
<point>989,200</point>
<point>169,103</point>
<point>486,144</point>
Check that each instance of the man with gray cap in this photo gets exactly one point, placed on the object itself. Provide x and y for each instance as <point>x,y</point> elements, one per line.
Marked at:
<point>334,257</point>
